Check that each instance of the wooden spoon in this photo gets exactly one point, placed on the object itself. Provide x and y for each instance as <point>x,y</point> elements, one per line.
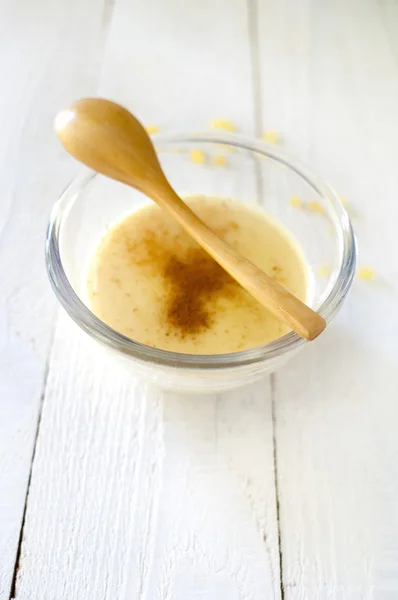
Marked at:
<point>107,138</point>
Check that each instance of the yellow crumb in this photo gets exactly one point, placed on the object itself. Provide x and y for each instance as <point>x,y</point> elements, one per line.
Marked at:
<point>366,273</point>
<point>343,201</point>
<point>315,207</point>
<point>324,271</point>
<point>197,156</point>
<point>223,124</point>
<point>348,207</point>
<point>219,160</point>
<point>270,136</point>
<point>151,129</point>
<point>295,201</point>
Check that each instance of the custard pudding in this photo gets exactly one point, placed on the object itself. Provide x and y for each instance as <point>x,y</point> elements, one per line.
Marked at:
<point>150,281</point>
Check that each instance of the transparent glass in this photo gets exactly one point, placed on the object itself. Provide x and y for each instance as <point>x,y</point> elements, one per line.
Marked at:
<point>256,173</point>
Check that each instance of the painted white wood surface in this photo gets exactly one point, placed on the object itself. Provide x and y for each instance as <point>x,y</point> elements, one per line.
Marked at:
<point>329,83</point>
<point>41,45</point>
<point>138,494</point>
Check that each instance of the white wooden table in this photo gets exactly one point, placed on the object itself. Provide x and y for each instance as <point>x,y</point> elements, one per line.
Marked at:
<point>286,490</point>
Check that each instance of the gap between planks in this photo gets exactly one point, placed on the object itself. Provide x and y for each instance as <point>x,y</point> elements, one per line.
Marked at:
<point>42,396</point>
<point>252,12</point>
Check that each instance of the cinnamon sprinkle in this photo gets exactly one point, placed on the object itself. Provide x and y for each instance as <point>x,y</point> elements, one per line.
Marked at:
<point>193,284</point>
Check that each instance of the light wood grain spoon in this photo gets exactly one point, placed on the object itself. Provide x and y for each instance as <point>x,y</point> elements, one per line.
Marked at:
<point>107,138</point>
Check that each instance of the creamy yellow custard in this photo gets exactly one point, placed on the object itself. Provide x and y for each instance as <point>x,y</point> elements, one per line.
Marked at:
<point>151,282</point>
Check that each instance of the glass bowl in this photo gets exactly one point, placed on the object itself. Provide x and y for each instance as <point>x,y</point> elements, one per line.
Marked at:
<point>255,173</point>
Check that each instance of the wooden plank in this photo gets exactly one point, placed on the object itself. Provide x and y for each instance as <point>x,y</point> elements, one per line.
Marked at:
<point>151,495</point>
<point>41,67</point>
<point>138,493</point>
<point>181,65</point>
<point>330,86</point>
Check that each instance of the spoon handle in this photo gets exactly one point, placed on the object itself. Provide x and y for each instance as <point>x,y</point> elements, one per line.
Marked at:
<point>280,302</point>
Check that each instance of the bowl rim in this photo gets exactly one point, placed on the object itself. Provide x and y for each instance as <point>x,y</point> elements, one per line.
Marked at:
<point>290,342</point>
